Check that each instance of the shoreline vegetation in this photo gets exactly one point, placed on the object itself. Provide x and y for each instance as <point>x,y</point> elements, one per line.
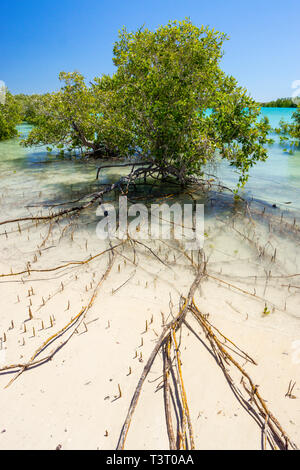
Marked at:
<point>141,337</point>
<point>279,103</point>
<point>154,107</point>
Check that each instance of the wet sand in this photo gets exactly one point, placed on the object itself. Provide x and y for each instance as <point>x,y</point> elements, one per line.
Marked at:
<point>73,400</point>
<point>250,291</point>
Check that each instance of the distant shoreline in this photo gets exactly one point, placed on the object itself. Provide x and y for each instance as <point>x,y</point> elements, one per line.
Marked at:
<point>279,103</point>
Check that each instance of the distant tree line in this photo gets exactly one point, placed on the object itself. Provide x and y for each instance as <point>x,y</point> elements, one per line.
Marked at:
<point>17,109</point>
<point>10,116</point>
<point>29,105</point>
<point>279,103</point>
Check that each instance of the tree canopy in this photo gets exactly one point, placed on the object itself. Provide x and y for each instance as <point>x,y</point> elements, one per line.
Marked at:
<point>290,132</point>
<point>10,116</point>
<point>30,105</point>
<point>168,102</point>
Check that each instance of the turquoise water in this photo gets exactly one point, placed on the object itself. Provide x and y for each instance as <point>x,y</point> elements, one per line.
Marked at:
<point>277,180</point>
<point>32,178</point>
<point>276,114</point>
<point>27,172</point>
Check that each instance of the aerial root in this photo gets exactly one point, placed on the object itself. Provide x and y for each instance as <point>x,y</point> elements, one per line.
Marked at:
<point>272,432</point>
<point>186,420</point>
<point>175,323</point>
<point>273,435</point>
<point>166,373</point>
<point>123,182</point>
<point>62,266</point>
<point>75,322</point>
<point>271,427</point>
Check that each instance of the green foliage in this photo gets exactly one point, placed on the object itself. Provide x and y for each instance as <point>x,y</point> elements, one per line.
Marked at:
<point>290,132</point>
<point>71,118</point>
<point>30,106</point>
<point>266,311</point>
<point>280,103</point>
<point>168,101</point>
<point>166,82</point>
<point>10,116</point>
<point>56,114</point>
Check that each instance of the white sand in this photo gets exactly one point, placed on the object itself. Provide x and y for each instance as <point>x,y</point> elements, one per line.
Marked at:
<point>71,399</point>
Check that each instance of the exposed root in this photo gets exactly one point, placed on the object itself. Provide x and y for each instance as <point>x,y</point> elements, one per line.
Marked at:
<point>62,266</point>
<point>273,435</point>
<point>75,322</point>
<point>175,323</point>
<point>271,426</point>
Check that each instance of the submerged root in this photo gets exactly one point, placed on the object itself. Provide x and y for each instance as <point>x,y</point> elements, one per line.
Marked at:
<point>272,430</point>
<point>73,323</point>
<point>180,437</point>
<point>270,425</point>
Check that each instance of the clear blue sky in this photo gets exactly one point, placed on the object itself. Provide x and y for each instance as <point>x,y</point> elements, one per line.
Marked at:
<point>39,38</point>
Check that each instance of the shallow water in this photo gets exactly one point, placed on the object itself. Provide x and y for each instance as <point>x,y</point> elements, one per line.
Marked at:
<point>50,272</point>
<point>28,172</point>
<point>29,177</point>
<point>277,180</point>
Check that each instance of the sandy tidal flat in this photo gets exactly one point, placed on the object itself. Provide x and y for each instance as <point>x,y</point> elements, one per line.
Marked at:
<point>79,399</point>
